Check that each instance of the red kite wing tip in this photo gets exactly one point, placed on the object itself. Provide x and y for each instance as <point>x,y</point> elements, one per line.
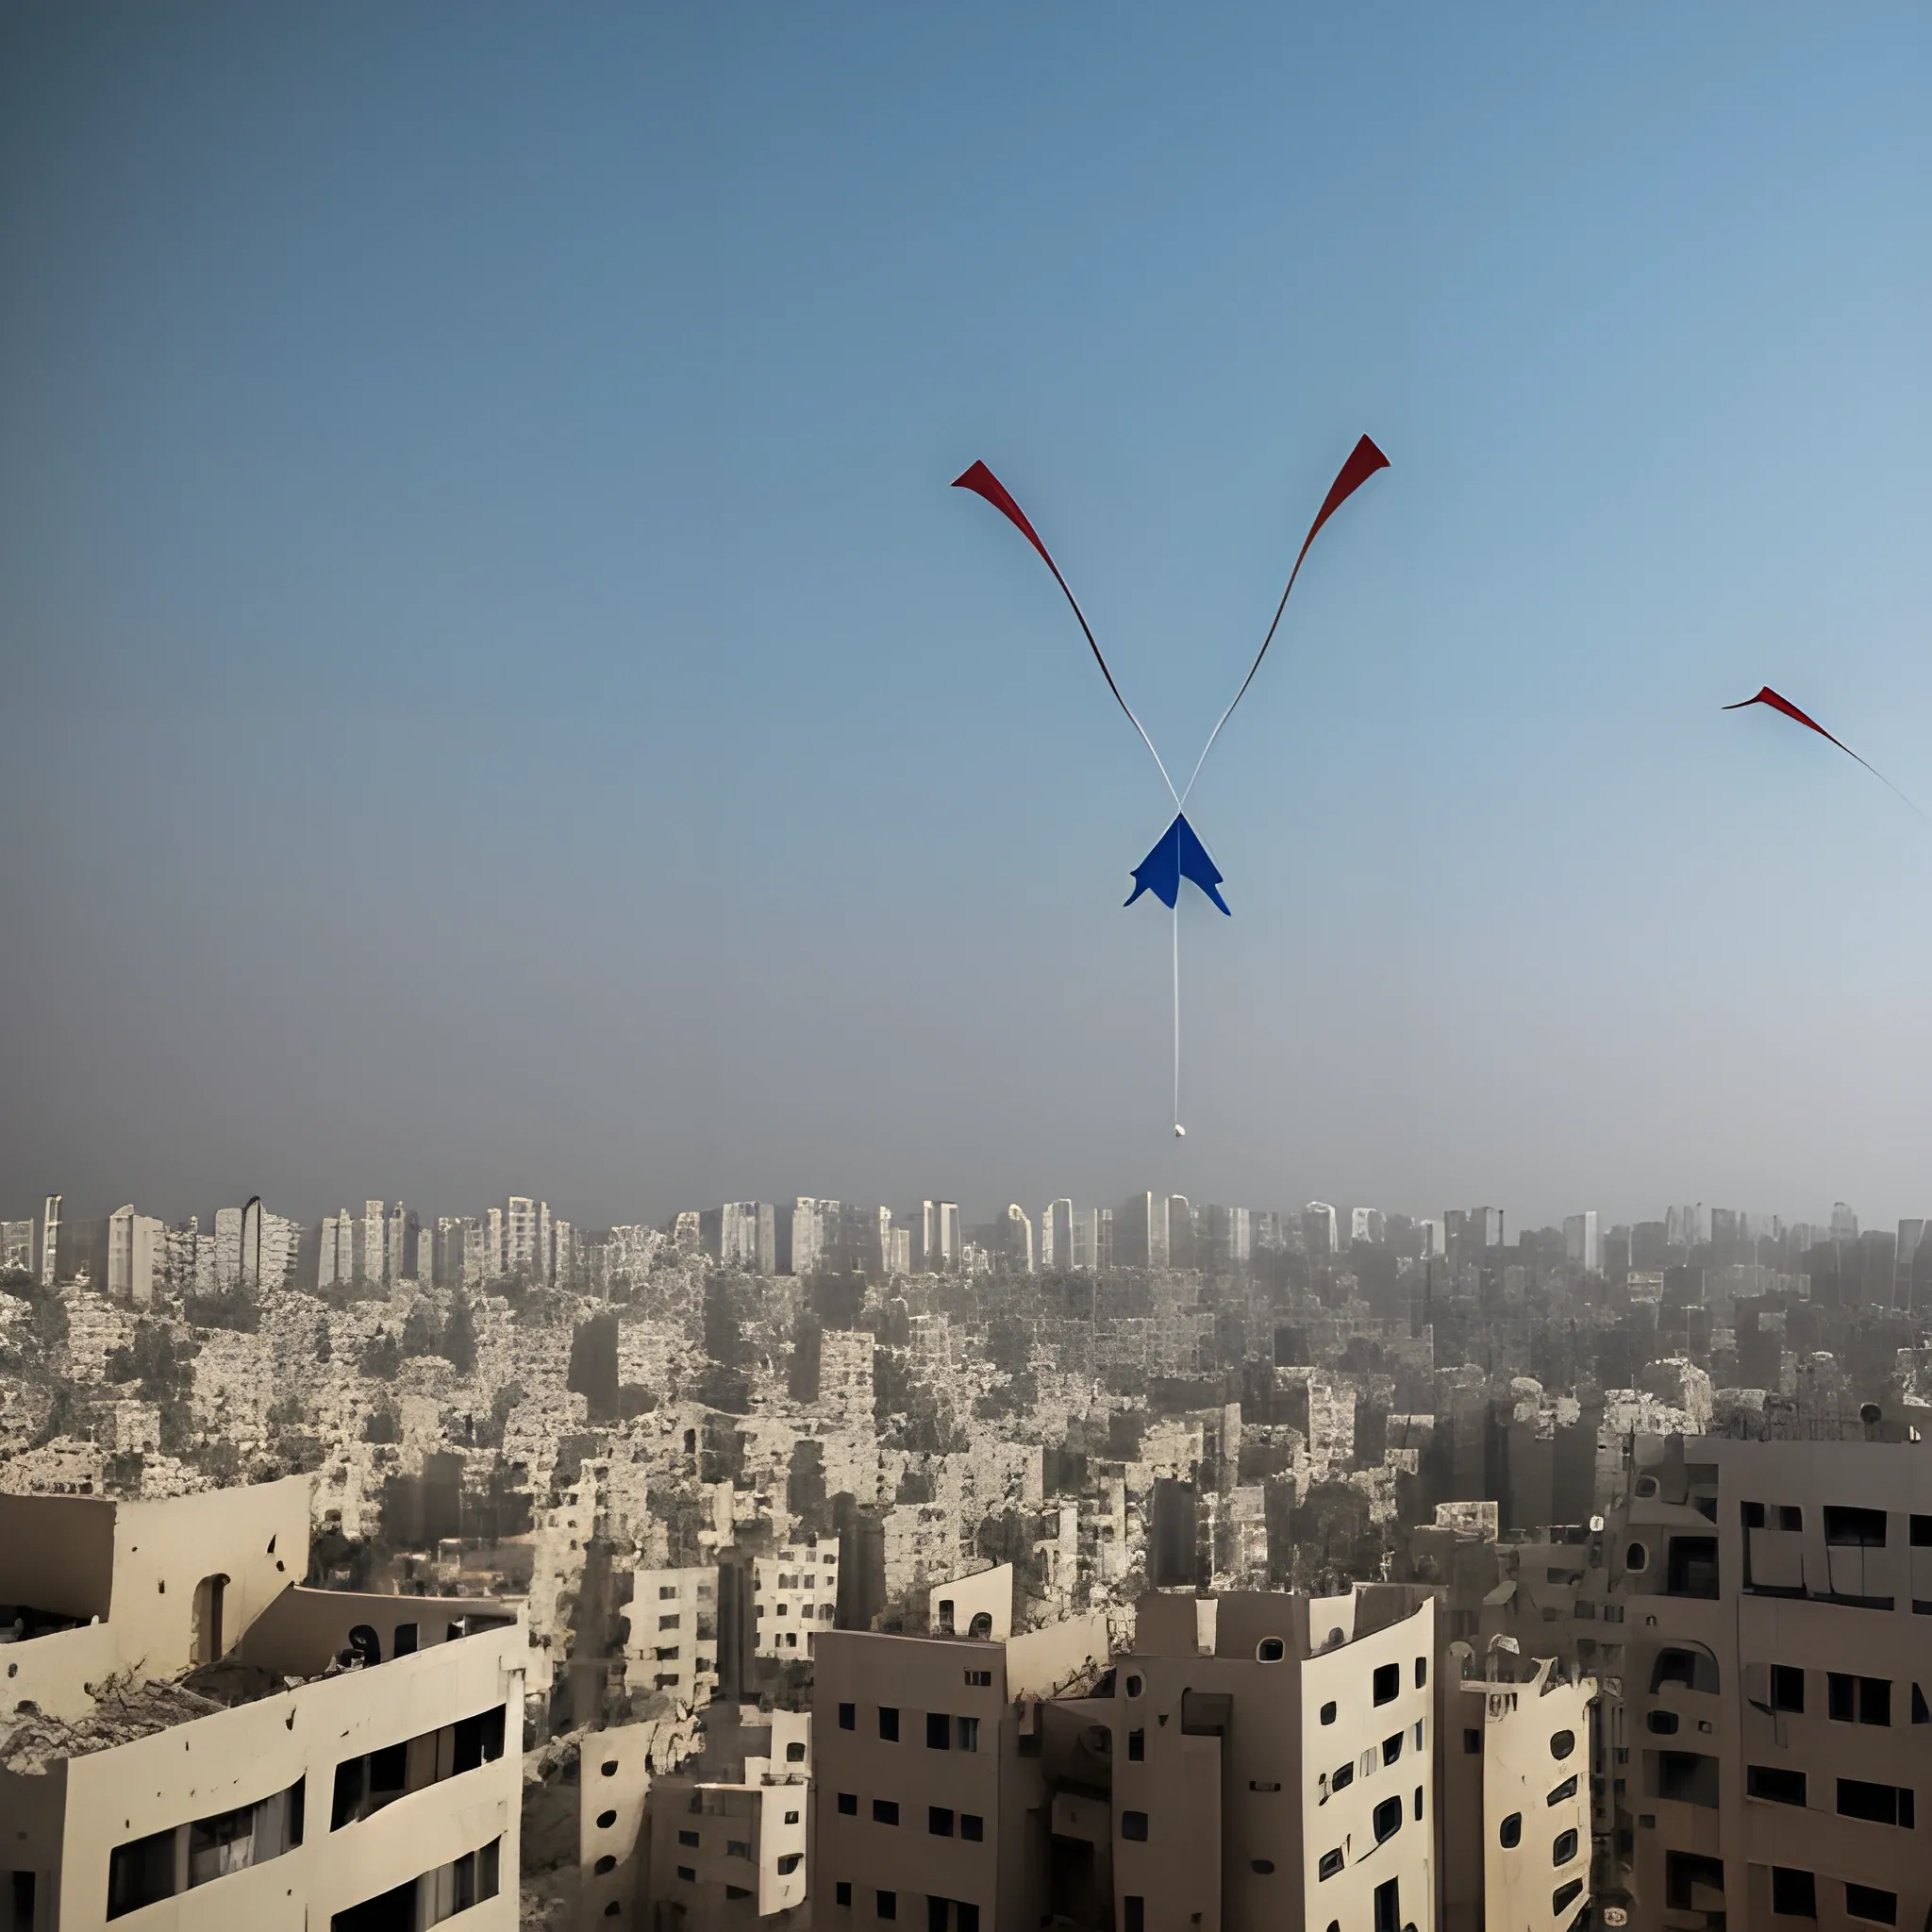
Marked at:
<point>1765,696</point>
<point>1374,449</point>
<point>970,475</point>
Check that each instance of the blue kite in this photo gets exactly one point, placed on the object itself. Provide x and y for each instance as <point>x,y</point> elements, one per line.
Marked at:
<point>1178,854</point>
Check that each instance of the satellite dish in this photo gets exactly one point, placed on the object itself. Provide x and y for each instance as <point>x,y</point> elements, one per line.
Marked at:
<point>1596,1528</point>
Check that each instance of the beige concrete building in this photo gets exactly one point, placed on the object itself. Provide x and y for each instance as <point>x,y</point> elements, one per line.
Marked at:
<point>1532,1737</point>
<point>671,1643</point>
<point>189,1739</point>
<point>730,1852</point>
<point>1255,1760</point>
<point>794,1595</point>
<point>1776,1730</point>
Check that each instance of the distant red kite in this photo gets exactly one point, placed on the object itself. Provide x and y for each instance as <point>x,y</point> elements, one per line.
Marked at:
<point>1767,696</point>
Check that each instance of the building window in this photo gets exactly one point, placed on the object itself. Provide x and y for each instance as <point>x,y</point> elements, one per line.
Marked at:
<point>848,1804</point>
<point>1134,1912</point>
<point>687,1838</point>
<point>1664,1722</point>
<point>1636,1556</point>
<point>1472,1743</point>
<point>792,1818</point>
<point>1922,1532</point>
<point>1387,1818</point>
<point>1861,1529</point>
<point>1789,1517</point>
<point>1563,1793</point>
<point>1391,1748</point>
<point>1920,1714</point>
<point>1566,1894</point>
<point>1344,1776</point>
<point>1562,1745</point>
<point>790,1862</point>
<point>1564,1849</point>
<point>1328,1713</point>
<point>1879,1804</point>
<point>1388,1682</point>
<point>1691,1567</point>
<point>1421,1672</point>
<point>885,1811</point>
<point>1330,1866</point>
<point>1134,1826</point>
<point>1787,1687</point>
<point>1509,1833</point>
<point>1270,1650</point>
<point>1135,1686</point>
<point>140,1872</point>
<point>1870,1902</point>
<point>939,1730</point>
<point>1793,1894</point>
<point>1137,1746</point>
<point>939,1821</point>
<point>889,1723</point>
<point>1860,1700</point>
<point>980,1679</point>
<point>1691,1670</point>
<point>848,1717</point>
<point>888,1905</point>
<point>841,1892</point>
<point>967,1735</point>
<point>1388,1902</point>
<point>1774,1782</point>
<point>971,1825</point>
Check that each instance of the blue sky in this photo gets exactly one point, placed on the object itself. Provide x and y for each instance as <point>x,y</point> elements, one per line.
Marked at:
<point>501,696</point>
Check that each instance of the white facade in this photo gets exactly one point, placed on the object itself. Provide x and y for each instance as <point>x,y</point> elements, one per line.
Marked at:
<point>1368,1748</point>
<point>1536,1799</point>
<point>1582,1247</point>
<point>672,1644</point>
<point>794,1594</point>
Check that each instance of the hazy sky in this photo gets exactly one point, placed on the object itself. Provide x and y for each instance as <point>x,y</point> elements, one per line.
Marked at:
<point>498,694</point>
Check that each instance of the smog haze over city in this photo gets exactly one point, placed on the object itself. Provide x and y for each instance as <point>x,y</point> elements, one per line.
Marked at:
<point>499,686</point>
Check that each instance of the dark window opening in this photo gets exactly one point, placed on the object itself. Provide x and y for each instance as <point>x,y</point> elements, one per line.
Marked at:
<point>1862,1529</point>
<point>1389,1903</point>
<point>888,1729</point>
<point>1775,1782</point>
<point>1787,1687</point>
<point>1387,1818</point>
<point>1878,1804</point>
<point>1134,1826</point>
<point>938,1731</point>
<point>848,1717</point>
<point>1870,1902</point>
<point>1691,1567</point>
<point>1687,1874</point>
<point>1794,1895</point>
<point>1388,1682</point>
<point>1509,1834</point>
<point>1564,1849</point>
<point>1689,1777</point>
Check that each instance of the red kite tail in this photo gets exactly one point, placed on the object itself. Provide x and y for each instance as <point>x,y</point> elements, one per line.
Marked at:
<point>1363,461</point>
<point>982,482</point>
